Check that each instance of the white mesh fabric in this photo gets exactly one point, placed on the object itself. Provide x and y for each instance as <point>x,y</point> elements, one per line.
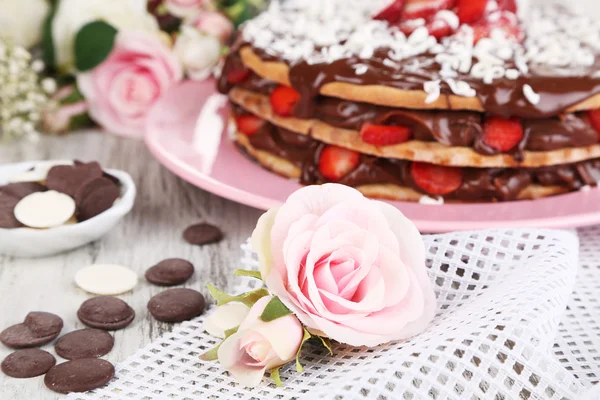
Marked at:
<point>501,332</point>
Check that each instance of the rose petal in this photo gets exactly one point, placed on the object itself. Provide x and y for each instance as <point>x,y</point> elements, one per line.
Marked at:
<point>225,317</point>
<point>261,240</point>
<point>230,356</point>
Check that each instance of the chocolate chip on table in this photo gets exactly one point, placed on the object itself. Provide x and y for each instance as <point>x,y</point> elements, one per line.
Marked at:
<point>68,179</point>
<point>106,312</point>
<point>170,272</point>
<point>22,189</point>
<point>176,305</point>
<point>79,375</point>
<point>28,363</point>
<point>202,233</point>
<point>84,343</point>
<point>7,213</point>
<point>38,329</point>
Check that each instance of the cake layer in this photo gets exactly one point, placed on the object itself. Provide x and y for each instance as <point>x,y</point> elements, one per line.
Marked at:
<point>433,146</point>
<point>542,66</point>
<point>478,186</point>
<point>384,86</point>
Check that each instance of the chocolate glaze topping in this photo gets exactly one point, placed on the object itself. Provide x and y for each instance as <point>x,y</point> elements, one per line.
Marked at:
<point>479,184</point>
<point>502,98</point>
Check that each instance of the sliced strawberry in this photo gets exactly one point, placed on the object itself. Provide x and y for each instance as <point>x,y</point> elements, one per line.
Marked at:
<point>236,76</point>
<point>391,13</point>
<point>336,162</point>
<point>425,8</point>
<point>470,11</point>
<point>283,100</point>
<point>502,134</point>
<point>503,21</point>
<point>382,135</point>
<point>249,124</point>
<point>594,117</point>
<point>507,5</point>
<point>436,179</point>
<point>439,28</point>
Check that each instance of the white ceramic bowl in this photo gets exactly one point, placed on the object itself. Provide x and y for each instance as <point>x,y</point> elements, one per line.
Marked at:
<point>27,242</point>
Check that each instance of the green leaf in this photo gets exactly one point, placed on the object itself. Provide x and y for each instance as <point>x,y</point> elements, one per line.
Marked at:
<point>306,336</point>
<point>213,354</point>
<point>248,273</point>
<point>327,343</point>
<point>48,54</point>
<point>275,309</point>
<point>93,44</point>
<point>248,299</point>
<point>276,377</point>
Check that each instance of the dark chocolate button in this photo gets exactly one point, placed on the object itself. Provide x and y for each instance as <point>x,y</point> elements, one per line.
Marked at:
<point>28,363</point>
<point>84,343</point>
<point>22,189</point>
<point>38,329</point>
<point>68,178</point>
<point>203,233</point>
<point>44,324</point>
<point>79,375</point>
<point>106,312</point>
<point>170,272</point>
<point>176,305</point>
<point>94,197</point>
<point>7,211</point>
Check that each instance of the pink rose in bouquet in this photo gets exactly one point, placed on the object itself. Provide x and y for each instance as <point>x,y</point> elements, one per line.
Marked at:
<point>259,346</point>
<point>349,268</point>
<point>121,90</point>
<point>186,8</point>
<point>214,24</point>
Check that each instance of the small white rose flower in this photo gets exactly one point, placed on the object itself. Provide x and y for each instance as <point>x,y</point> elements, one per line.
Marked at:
<point>198,52</point>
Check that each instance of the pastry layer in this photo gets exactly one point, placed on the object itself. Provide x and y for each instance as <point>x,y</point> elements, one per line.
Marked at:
<point>390,191</point>
<point>414,150</point>
<point>562,94</point>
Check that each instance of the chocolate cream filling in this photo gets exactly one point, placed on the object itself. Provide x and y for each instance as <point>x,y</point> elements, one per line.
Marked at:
<point>479,184</point>
<point>450,128</point>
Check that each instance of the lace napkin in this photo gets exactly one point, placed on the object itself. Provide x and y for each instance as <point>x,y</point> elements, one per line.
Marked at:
<point>515,320</point>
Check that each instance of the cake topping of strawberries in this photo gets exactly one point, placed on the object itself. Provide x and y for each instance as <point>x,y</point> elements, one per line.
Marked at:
<point>594,118</point>
<point>283,100</point>
<point>336,162</point>
<point>382,135</point>
<point>436,179</point>
<point>502,134</point>
<point>391,13</point>
<point>425,9</point>
<point>249,124</point>
<point>470,11</point>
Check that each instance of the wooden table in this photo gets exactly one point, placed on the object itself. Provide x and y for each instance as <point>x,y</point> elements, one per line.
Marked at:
<point>152,232</point>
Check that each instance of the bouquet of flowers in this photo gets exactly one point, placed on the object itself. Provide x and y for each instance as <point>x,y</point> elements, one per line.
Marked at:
<point>112,59</point>
<point>336,266</point>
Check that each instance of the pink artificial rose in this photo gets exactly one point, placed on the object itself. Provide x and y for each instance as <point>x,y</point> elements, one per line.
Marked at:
<point>121,90</point>
<point>186,8</point>
<point>214,24</point>
<point>260,346</point>
<point>350,268</point>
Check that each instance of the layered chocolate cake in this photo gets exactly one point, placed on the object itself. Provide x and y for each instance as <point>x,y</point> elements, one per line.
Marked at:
<point>452,100</point>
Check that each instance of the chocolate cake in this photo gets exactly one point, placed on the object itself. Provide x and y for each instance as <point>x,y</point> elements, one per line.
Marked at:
<point>478,100</point>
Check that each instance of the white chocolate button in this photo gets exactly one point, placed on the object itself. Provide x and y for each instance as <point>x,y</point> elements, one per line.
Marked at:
<point>45,209</point>
<point>106,279</point>
<point>38,173</point>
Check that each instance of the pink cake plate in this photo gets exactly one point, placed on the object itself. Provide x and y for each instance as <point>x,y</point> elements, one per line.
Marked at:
<point>186,132</point>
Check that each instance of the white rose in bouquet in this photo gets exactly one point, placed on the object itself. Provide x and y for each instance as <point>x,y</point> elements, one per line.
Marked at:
<point>198,52</point>
<point>71,15</point>
<point>22,20</point>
